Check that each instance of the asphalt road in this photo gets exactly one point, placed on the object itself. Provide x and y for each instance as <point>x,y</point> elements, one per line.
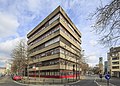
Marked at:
<point>84,83</point>
<point>7,81</point>
<point>89,81</point>
<point>115,81</point>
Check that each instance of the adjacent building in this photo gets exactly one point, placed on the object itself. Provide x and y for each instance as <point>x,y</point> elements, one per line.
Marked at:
<point>105,67</point>
<point>54,47</point>
<point>101,65</point>
<point>114,61</point>
<point>8,67</point>
<point>2,70</point>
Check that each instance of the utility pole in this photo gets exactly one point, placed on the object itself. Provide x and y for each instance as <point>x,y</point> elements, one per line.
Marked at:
<point>27,61</point>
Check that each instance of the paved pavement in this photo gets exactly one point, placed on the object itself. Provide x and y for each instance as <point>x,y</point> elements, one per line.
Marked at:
<point>7,81</point>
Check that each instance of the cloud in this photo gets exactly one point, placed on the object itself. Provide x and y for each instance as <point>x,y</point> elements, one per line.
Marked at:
<point>3,59</point>
<point>93,42</point>
<point>6,48</point>
<point>92,58</point>
<point>33,5</point>
<point>8,45</point>
<point>18,17</point>
<point>8,25</point>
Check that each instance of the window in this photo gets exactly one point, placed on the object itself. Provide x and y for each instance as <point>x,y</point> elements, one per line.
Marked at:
<point>71,27</point>
<point>115,62</point>
<point>43,54</point>
<point>53,19</point>
<point>52,52</point>
<point>52,41</point>
<point>115,67</point>
<point>48,53</point>
<point>61,50</point>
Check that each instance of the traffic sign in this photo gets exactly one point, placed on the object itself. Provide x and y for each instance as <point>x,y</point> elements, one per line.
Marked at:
<point>107,76</point>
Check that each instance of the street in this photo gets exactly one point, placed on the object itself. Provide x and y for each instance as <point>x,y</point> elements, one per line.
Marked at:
<point>84,83</point>
<point>89,81</point>
<point>7,81</point>
<point>115,81</point>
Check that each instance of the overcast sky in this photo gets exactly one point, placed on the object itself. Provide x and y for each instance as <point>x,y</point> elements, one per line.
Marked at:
<point>18,17</point>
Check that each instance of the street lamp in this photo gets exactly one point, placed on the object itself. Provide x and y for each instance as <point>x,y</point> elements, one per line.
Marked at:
<point>27,62</point>
<point>34,68</point>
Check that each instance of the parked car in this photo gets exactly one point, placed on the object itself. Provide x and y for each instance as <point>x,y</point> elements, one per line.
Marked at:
<point>16,78</point>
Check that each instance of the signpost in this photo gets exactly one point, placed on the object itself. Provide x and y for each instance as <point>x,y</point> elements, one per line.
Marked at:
<point>107,77</point>
<point>100,75</point>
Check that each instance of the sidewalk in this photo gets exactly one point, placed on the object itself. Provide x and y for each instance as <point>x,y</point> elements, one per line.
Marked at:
<point>46,82</point>
<point>103,82</point>
<point>50,81</point>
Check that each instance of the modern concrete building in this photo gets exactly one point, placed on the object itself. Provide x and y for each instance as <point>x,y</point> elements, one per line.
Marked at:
<point>8,67</point>
<point>114,61</point>
<point>2,70</point>
<point>105,67</point>
<point>101,65</point>
<point>54,47</point>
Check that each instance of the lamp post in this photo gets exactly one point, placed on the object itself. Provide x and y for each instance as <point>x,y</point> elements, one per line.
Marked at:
<point>35,72</point>
<point>34,68</point>
<point>27,62</point>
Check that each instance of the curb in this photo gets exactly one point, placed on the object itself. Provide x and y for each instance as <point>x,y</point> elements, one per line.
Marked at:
<point>73,82</point>
<point>20,83</point>
<point>34,85</point>
<point>103,85</point>
<point>45,84</point>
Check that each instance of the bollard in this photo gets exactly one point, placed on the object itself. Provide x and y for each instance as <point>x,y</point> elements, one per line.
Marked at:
<point>53,81</point>
<point>68,80</point>
<point>43,81</point>
<point>107,82</point>
<point>61,81</point>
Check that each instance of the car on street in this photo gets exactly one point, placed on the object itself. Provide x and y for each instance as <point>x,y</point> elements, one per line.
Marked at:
<point>16,78</point>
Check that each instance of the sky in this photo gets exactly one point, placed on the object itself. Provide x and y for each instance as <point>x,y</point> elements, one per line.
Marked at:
<point>18,17</point>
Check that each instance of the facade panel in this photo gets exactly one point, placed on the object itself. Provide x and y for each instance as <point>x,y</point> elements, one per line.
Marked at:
<point>54,47</point>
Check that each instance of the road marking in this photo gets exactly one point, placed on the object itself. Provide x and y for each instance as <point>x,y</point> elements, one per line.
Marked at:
<point>74,82</point>
<point>35,85</point>
<point>101,85</point>
<point>96,82</point>
<point>20,83</point>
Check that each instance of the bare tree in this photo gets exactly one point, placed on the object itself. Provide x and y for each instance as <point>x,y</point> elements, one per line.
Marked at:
<point>19,55</point>
<point>107,23</point>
